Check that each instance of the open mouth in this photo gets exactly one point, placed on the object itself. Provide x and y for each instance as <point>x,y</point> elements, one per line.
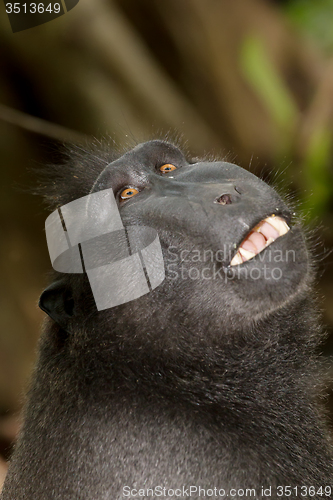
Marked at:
<point>259,238</point>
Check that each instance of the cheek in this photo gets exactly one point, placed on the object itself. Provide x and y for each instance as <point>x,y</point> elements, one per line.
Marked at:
<point>270,280</point>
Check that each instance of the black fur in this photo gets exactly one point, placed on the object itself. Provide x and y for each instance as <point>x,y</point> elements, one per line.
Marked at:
<point>210,383</point>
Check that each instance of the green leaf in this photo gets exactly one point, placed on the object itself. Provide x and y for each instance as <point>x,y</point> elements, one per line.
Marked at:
<point>264,78</point>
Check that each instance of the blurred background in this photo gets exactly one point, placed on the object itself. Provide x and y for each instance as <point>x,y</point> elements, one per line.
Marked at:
<point>249,80</point>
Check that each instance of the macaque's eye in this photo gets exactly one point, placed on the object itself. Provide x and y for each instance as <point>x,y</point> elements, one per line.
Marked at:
<point>128,192</point>
<point>168,167</point>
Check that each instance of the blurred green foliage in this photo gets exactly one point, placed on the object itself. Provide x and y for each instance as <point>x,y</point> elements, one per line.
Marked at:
<point>314,18</point>
<point>315,21</point>
<point>274,93</point>
<point>317,178</point>
<point>263,76</point>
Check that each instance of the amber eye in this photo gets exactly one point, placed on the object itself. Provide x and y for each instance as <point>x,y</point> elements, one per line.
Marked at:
<point>128,193</point>
<point>168,167</point>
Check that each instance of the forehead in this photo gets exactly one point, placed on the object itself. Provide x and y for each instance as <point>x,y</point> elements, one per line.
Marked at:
<point>141,165</point>
<point>138,163</point>
<point>152,153</point>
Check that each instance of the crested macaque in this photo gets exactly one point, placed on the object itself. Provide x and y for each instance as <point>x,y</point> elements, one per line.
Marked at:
<point>210,382</point>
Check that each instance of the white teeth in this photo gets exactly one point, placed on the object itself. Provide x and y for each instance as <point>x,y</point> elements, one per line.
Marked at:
<point>268,234</point>
<point>280,225</point>
<point>269,241</point>
<point>236,260</point>
<point>246,253</point>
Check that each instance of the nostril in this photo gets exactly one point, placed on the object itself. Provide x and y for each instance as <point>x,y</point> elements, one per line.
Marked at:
<point>224,199</point>
<point>238,189</point>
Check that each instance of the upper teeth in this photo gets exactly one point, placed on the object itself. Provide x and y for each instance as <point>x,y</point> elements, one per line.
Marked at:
<point>246,253</point>
<point>267,231</point>
<point>279,224</point>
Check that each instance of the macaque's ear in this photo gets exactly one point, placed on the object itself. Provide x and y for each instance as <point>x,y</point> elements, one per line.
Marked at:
<point>58,302</point>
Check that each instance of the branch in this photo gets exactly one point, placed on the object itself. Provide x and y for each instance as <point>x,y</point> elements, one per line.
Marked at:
<point>41,127</point>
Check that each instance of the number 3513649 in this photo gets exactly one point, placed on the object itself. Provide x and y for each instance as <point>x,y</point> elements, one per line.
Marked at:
<point>32,8</point>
